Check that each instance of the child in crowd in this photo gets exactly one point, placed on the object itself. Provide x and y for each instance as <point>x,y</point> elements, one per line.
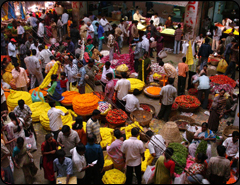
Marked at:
<point>63,81</point>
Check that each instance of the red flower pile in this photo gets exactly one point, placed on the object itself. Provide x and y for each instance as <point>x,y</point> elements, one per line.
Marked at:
<point>187,101</point>
<point>145,107</point>
<point>192,91</point>
<point>223,79</point>
<point>175,106</point>
<point>116,117</point>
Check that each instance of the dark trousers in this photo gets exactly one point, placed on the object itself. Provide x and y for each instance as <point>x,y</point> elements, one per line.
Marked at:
<point>121,104</point>
<point>181,85</point>
<point>3,50</point>
<point>23,63</point>
<point>103,86</point>
<point>190,85</point>
<point>206,92</point>
<point>14,60</point>
<point>231,69</point>
<point>35,36</point>
<point>129,174</point>
<point>93,174</point>
<point>43,72</point>
<point>151,52</point>
<point>64,29</point>
<point>136,65</point>
<point>55,134</point>
<point>164,112</point>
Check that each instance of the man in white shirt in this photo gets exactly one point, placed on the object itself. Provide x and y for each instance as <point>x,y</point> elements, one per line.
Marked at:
<point>156,145</point>
<point>137,16</point>
<point>55,120</point>
<point>90,30</point>
<point>20,30</point>
<point>41,30</point>
<point>12,51</point>
<point>132,102</point>
<point>167,96</point>
<point>44,57</point>
<point>33,22</point>
<point>105,24</point>
<point>106,69</point>
<point>86,19</point>
<point>232,147</point>
<point>123,29</point>
<point>65,17</point>
<point>133,150</point>
<point>33,46</point>
<point>122,87</point>
<point>71,71</point>
<point>217,33</point>
<point>155,19</point>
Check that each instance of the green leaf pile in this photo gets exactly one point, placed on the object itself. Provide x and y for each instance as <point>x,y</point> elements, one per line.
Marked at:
<point>179,155</point>
<point>202,147</point>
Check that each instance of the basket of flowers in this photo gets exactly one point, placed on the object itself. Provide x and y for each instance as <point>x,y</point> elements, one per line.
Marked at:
<point>116,118</point>
<point>187,103</point>
<point>152,91</point>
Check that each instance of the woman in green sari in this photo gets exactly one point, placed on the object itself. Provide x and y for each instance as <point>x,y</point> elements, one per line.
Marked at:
<point>144,67</point>
<point>164,168</point>
<point>89,47</point>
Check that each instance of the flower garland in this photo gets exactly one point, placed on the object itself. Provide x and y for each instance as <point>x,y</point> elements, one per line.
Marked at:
<point>187,101</point>
<point>14,96</point>
<point>154,90</point>
<point>68,96</point>
<point>116,117</point>
<point>114,176</point>
<point>136,84</point>
<point>37,109</point>
<point>143,70</point>
<point>223,79</point>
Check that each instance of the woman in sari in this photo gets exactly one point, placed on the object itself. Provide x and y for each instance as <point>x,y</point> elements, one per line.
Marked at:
<point>144,67</point>
<point>53,26</point>
<point>16,126</point>
<point>89,48</point>
<point>164,168</point>
<point>159,40</point>
<point>23,159</point>
<point>217,110</point>
<point>202,134</point>
<point>55,91</point>
<point>49,148</point>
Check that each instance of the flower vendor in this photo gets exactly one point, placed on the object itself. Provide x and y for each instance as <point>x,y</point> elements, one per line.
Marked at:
<point>144,67</point>
<point>55,91</point>
<point>93,125</point>
<point>132,102</point>
<point>91,71</point>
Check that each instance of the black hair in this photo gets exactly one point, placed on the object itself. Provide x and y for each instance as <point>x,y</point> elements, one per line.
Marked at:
<point>63,74</point>
<point>203,74</point>
<point>13,117</point>
<point>96,112</point>
<point>156,13</point>
<point>202,157</point>
<point>135,92</point>
<point>205,124</point>
<point>117,133</point>
<point>207,40</point>
<point>52,103</point>
<point>171,80</point>
<point>150,133</point>
<point>222,90</point>
<point>60,153</point>
<point>95,18</point>
<point>21,102</point>
<point>77,55</point>
<point>47,136</point>
<point>179,25</point>
<point>235,133</point>
<point>78,124</point>
<point>16,64</point>
<point>80,147</point>
<point>234,40</point>
<point>91,60</point>
<point>168,153</point>
<point>114,25</point>
<point>124,74</point>
<point>91,138</point>
<point>107,63</point>
<point>96,23</point>
<point>221,150</point>
<point>170,16</point>
<point>151,22</point>
<point>54,76</point>
<point>68,38</point>
<point>109,75</point>
<point>161,63</point>
<point>89,40</point>
<point>28,52</point>
<point>145,52</point>
<point>205,65</point>
<point>65,129</point>
<point>135,131</point>
<point>41,46</point>
<point>20,140</point>
<point>184,59</point>
<point>34,52</point>
<point>52,57</point>
<point>80,62</point>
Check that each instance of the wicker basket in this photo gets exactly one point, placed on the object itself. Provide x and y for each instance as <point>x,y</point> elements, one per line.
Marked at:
<point>113,126</point>
<point>187,109</point>
<point>185,118</point>
<point>151,107</point>
<point>229,130</point>
<point>150,95</point>
<point>170,132</point>
<point>214,63</point>
<point>137,115</point>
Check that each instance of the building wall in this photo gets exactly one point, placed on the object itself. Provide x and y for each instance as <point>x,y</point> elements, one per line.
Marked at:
<point>219,7</point>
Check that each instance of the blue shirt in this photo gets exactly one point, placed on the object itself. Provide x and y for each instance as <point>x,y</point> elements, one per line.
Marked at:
<point>94,152</point>
<point>95,27</point>
<point>63,169</point>
<point>71,48</point>
<point>228,49</point>
<point>82,71</point>
<point>100,31</point>
<point>204,82</point>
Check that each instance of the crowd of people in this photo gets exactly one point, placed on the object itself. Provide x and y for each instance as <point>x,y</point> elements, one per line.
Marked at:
<point>57,39</point>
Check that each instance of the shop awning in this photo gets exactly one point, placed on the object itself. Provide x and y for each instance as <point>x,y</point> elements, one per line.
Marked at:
<point>176,3</point>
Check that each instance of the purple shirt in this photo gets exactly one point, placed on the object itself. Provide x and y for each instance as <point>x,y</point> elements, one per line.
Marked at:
<point>114,151</point>
<point>109,89</point>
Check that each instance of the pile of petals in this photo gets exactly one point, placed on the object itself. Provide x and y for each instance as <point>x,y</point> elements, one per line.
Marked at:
<point>145,107</point>
<point>136,84</point>
<point>148,160</point>
<point>190,161</point>
<point>222,79</point>
<point>175,106</point>
<point>116,117</point>
<point>154,90</point>
<point>107,136</point>
<point>187,101</point>
<point>68,96</point>
<point>192,91</point>
<point>118,60</point>
<point>217,88</point>
<point>15,96</point>
<point>114,176</point>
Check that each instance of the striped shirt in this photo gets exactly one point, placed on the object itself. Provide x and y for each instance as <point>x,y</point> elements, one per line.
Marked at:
<point>178,34</point>
<point>94,127</point>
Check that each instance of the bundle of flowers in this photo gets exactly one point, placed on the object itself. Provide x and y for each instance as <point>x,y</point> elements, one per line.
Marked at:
<point>100,95</point>
<point>192,91</point>
<point>122,68</point>
<point>42,91</point>
<point>175,106</point>
<point>154,90</point>
<point>114,176</point>
<point>145,107</point>
<point>104,107</point>
<point>15,96</point>
<point>84,104</point>
<point>107,136</point>
<point>136,84</point>
<point>223,79</point>
<point>129,128</point>
<point>187,101</point>
<point>217,88</point>
<point>68,96</point>
<point>116,117</point>
<point>156,76</point>
<point>37,108</point>
<point>148,160</point>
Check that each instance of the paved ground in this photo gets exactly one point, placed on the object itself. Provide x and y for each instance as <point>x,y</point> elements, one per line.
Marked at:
<point>39,178</point>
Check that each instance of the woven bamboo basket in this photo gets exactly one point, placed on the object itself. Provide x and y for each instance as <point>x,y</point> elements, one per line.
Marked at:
<point>187,109</point>
<point>229,130</point>
<point>171,133</point>
<point>113,126</point>
<point>151,107</point>
<point>138,115</point>
<point>214,63</point>
<point>179,118</point>
<point>150,95</point>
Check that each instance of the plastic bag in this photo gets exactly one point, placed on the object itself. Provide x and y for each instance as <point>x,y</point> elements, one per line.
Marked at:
<point>222,66</point>
<point>162,54</point>
<point>148,175</point>
<point>181,179</point>
<point>35,96</point>
<point>31,141</point>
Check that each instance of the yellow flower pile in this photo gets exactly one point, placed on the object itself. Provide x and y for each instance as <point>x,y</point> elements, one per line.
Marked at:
<point>122,68</point>
<point>156,75</point>
<point>84,104</point>
<point>136,84</point>
<point>148,160</point>
<point>107,162</point>
<point>129,128</point>
<point>12,100</point>
<point>66,120</point>
<point>107,136</point>
<point>114,176</point>
<point>230,30</point>
<point>37,109</point>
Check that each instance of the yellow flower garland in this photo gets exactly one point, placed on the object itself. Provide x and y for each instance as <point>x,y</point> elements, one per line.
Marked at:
<point>129,128</point>
<point>37,109</point>
<point>148,160</point>
<point>15,96</point>
<point>136,84</point>
<point>114,176</point>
